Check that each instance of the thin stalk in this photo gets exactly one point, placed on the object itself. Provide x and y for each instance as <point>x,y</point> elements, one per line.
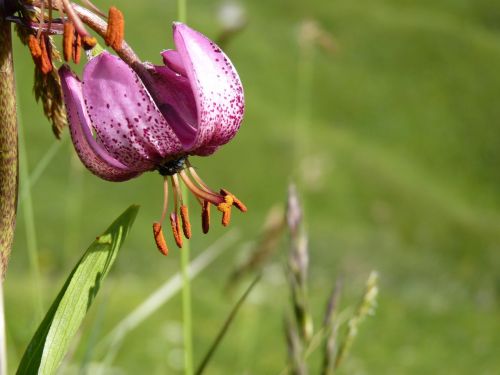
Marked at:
<point>305,76</point>
<point>40,168</point>
<point>225,327</point>
<point>29,222</point>
<point>187,319</point>
<point>112,342</point>
<point>182,10</point>
<point>186,302</point>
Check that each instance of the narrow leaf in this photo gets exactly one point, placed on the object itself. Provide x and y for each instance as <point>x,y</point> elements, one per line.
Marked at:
<point>53,337</point>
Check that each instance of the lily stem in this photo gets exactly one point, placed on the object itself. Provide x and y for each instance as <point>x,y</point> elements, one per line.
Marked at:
<point>186,284</point>
<point>186,302</point>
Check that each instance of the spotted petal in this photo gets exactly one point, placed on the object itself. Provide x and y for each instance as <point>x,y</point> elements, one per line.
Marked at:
<point>216,86</point>
<point>92,154</point>
<point>125,117</point>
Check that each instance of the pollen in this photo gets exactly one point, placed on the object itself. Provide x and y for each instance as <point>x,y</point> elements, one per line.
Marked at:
<point>159,239</point>
<point>236,202</point>
<point>116,28</point>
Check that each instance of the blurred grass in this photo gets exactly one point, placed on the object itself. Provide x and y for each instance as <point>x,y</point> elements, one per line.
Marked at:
<point>404,180</point>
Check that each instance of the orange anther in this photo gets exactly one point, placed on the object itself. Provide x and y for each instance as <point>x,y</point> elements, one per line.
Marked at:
<point>116,29</point>
<point>77,52</point>
<point>45,61</point>
<point>236,202</point>
<point>35,49</point>
<point>159,239</point>
<point>88,42</point>
<point>186,225</point>
<point>68,40</point>
<point>175,224</point>
<point>226,217</point>
<point>205,217</point>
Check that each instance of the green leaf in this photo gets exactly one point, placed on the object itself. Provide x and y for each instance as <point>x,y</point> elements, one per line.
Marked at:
<point>53,337</point>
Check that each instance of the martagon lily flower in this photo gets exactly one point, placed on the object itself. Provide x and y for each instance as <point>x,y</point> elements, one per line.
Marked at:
<point>123,124</point>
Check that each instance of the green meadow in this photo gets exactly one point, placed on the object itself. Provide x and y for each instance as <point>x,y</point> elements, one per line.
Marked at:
<point>393,139</point>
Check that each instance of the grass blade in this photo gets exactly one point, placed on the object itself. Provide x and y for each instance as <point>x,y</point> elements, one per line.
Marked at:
<point>112,342</point>
<point>52,338</point>
<point>225,327</point>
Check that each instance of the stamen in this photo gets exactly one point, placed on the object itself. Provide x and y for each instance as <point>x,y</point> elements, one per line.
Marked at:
<point>159,239</point>
<point>177,192</point>
<point>205,217</point>
<point>116,29</point>
<point>77,52</point>
<point>225,208</point>
<point>35,49</point>
<point>88,42</point>
<point>42,20</point>
<point>186,225</point>
<point>94,8</point>
<point>174,222</point>
<point>198,179</point>
<point>49,25</point>
<point>236,202</point>
<point>212,198</point>
<point>165,199</point>
<point>68,40</point>
<point>45,61</point>
<point>226,217</point>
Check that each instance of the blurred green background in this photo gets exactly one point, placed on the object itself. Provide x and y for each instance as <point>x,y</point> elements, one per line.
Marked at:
<point>398,170</point>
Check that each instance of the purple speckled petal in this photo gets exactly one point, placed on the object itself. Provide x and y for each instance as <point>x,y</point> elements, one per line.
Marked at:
<point>172,59</point>
<point>216,85</point>
<point>92,154</point>
<point>125,117</point>
<point>174,98</point>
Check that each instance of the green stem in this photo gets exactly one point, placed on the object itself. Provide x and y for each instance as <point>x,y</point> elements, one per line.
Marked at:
<point>8,147</point>
<point>182,10</point>
<point>305,75</point>
<point>29,222</point>
<point>186,302</point>
<point>186,284</point>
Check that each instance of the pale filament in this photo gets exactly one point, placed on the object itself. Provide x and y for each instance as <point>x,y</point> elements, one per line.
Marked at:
<point>165,199</point>
<point>213,198</point>
<point>177,192</point>
<point>198,179</point>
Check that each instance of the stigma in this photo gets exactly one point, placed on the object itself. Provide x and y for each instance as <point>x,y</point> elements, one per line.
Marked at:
<point>179,171</point>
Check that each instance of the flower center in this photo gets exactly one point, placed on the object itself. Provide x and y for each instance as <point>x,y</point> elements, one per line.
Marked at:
<point>181,170</point>
<point>172,167</point>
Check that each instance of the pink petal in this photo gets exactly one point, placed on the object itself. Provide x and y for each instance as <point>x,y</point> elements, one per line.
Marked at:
<point>92,155</point>
<point>216,85</point>
<point>172,59</point>
<point>126,119</point>
<point>174,98</point>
